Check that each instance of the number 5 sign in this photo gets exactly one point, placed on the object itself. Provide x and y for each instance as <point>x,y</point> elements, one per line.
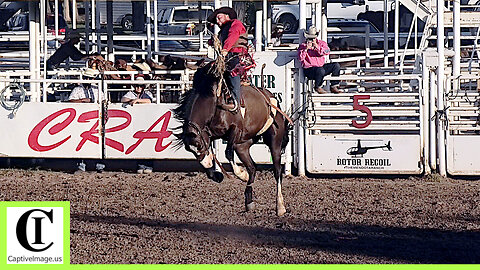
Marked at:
<point>362,108</point>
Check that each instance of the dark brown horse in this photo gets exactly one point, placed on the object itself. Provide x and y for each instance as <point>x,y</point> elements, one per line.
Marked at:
<point>203,121</point>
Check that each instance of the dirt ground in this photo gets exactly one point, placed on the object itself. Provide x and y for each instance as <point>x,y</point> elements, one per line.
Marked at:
<point>125,218</point>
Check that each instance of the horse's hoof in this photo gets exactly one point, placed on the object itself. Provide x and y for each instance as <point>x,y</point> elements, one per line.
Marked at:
<point>281,211</point>
<point>250,206</point>
<point>217,177</point>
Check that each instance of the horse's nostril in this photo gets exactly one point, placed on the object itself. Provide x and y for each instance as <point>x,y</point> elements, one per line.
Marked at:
<point>194,149</point>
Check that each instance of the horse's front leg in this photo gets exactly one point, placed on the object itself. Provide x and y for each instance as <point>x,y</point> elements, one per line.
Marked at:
<point>239,171</point>
<point>214,175</point>
<point>208,163</point>
<point>243,152</point>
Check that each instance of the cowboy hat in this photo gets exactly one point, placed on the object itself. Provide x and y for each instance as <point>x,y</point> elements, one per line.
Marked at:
<point>90,73</point>
<point>224,10</point>
<point>141,77</point>
<point>312,32</point>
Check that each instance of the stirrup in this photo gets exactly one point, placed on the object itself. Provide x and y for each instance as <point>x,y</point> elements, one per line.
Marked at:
<point>235,106</point>
<point>228,106</point>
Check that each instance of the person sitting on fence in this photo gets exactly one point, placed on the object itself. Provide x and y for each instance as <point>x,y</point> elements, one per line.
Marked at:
<point>85,92</point>
<point>139,94</point>
<point>312,54</point>
<point>68,49</point>
<point>277,35</point>
<point>168,62</point>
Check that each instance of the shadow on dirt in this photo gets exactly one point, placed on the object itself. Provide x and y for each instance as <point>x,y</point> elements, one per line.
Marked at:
<point>409,245</point>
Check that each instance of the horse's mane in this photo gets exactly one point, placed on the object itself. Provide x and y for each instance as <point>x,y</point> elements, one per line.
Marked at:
<point>203,84</point>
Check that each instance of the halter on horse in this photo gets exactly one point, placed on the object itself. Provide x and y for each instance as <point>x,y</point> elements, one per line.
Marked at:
<point>204,122</point>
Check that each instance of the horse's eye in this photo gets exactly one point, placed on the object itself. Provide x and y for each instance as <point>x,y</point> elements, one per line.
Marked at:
<point>190,134</point>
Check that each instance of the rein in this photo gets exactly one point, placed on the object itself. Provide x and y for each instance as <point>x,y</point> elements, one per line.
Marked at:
<point>199,133</point>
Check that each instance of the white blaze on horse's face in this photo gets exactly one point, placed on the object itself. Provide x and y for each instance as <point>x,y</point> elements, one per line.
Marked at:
<point>194,149</point>
<point>207,161</point>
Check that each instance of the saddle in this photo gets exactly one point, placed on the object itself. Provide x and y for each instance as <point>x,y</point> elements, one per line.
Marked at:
<point>271,102</point>
<point>102,65</point>
<point>228,102</point>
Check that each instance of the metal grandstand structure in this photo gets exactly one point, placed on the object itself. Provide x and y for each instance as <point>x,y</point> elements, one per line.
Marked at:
<point>422,100</point>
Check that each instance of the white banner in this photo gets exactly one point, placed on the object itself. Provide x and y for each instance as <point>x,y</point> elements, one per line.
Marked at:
<point>49,130</point>
<point>146,132</point>
<point>70,130</point>
<point>462,158</point>
<point>379,154</point>
<point>274,72</point>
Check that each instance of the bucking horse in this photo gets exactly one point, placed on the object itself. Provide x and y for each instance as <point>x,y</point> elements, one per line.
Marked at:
<point>204,121</point>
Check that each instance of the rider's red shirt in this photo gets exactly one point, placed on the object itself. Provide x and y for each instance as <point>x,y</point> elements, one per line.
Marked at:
<point>236,29</point>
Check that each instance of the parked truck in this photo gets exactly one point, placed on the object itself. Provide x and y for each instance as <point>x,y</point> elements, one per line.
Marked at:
<point>288,14</point>
<point>184,20</point>
<point>123,13</point>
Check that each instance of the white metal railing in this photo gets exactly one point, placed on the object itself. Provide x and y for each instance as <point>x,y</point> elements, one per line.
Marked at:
<point>394,101</point>
<point>463,105</point>
<point>167,80</point>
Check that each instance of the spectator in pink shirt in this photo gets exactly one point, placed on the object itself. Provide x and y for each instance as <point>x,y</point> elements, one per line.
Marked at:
<point>312,54</point>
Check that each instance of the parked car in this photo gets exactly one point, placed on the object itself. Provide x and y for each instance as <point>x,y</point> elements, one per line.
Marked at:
<point>184,20</point>
<point>289,14</point>
<point>352,33</point>
<point>122,12</point>
<point>8,9</point>
<point>470,5</point>
<point>19,22</point>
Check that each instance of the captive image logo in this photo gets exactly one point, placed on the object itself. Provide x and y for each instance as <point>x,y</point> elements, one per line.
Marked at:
<point>35,235</point>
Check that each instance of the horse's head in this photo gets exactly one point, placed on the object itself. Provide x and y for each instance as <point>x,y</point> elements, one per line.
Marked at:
<point>197,138</point>
<point>197,141</point>
<point>196,111</point>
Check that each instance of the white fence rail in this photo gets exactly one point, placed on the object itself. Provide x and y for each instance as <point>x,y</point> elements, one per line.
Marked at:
<point>379,129</point>
<point>383,124</point>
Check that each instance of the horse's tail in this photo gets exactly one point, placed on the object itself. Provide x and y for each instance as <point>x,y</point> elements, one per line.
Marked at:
<point>286,138</point>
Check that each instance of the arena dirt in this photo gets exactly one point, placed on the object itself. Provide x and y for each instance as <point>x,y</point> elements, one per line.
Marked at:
<point>186,218</point>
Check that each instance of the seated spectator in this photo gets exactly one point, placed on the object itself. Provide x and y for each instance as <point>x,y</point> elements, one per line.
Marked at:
<point>277,35</point>
<point>311,54</point>
<point>85,92</point>
<point>139,94</point>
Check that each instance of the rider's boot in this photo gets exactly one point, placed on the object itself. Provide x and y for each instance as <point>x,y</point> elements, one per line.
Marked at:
<point>231,105</point>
